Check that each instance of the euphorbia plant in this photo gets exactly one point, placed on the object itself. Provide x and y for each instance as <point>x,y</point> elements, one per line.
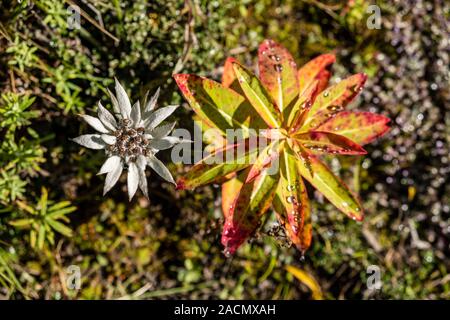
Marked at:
<point>307,119</point>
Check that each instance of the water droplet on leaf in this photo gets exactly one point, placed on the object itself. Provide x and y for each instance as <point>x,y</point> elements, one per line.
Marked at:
<point>291,199</point>
<point>291,187</point>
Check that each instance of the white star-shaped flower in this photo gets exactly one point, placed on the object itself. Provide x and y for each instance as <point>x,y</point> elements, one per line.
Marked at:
<point>132,140</point>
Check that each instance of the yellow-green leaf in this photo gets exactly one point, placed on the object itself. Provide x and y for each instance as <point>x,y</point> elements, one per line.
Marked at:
<point>216,165</point>
<point>332,188</point>
<point>308,280</point>
<point>258,96</point>
<point>217,105</point>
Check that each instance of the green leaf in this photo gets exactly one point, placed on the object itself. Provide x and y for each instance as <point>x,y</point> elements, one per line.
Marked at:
<point>360,127</point>
<point>217,105</point>
<point>21,222</point>
<point>61,228</point>
<point>332,188</point>
<point>216,166</point>
<point>292,195</point>
<point>258,96</point>
<point>24,206</point>
<point>41,236</point>
<point>278,73</point>
<point>61,212</point>
<point>33,237</point>
<point>42,204</point>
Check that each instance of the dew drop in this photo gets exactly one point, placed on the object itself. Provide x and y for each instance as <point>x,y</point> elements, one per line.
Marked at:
<point>275,57</point>
<point>290,199</point>
<point>227,253</point>
<point>326,94</point>
<point>334,108</point>
<point>291,187</point>
<point>278,68</point>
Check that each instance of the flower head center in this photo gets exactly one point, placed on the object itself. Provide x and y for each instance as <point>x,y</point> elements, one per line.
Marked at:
<point>130,142</point>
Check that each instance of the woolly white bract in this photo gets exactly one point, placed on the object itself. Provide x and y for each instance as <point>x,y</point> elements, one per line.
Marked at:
<point>130,139</point>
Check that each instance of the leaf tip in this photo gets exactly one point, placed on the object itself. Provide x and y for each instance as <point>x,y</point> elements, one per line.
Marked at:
<point>180,184</point>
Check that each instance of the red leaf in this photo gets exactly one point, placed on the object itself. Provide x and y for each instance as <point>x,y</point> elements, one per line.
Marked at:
<point>323,77</point>
<point>314,69</point>
<point>253,200</point>
<point>228,76</point>
<point>230,190</point>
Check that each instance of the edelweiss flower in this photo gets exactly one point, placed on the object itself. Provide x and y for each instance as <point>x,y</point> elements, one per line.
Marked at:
<point>132,140</point>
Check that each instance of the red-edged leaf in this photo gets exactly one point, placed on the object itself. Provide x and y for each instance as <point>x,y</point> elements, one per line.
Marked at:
<point>294,199</point>
<point>323,77</point>
<point>327,142</point>
<point>258,96</point>
<point>297,115</point>
<point>266,158</point>
<point>332,188</point>
<point>232,158</point>
<point>253,200</point>
<point>230,80</point>
<point>215,104</point>
<point>304,156</point>
<point>315,69</point>
<point>278,73</point>
<point>360,127</point>
<point>212,136</point>
<point>228,76</point>
<point>333,100</point>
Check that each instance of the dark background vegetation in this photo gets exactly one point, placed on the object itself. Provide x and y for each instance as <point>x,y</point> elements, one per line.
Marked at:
<point>169,247</point>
